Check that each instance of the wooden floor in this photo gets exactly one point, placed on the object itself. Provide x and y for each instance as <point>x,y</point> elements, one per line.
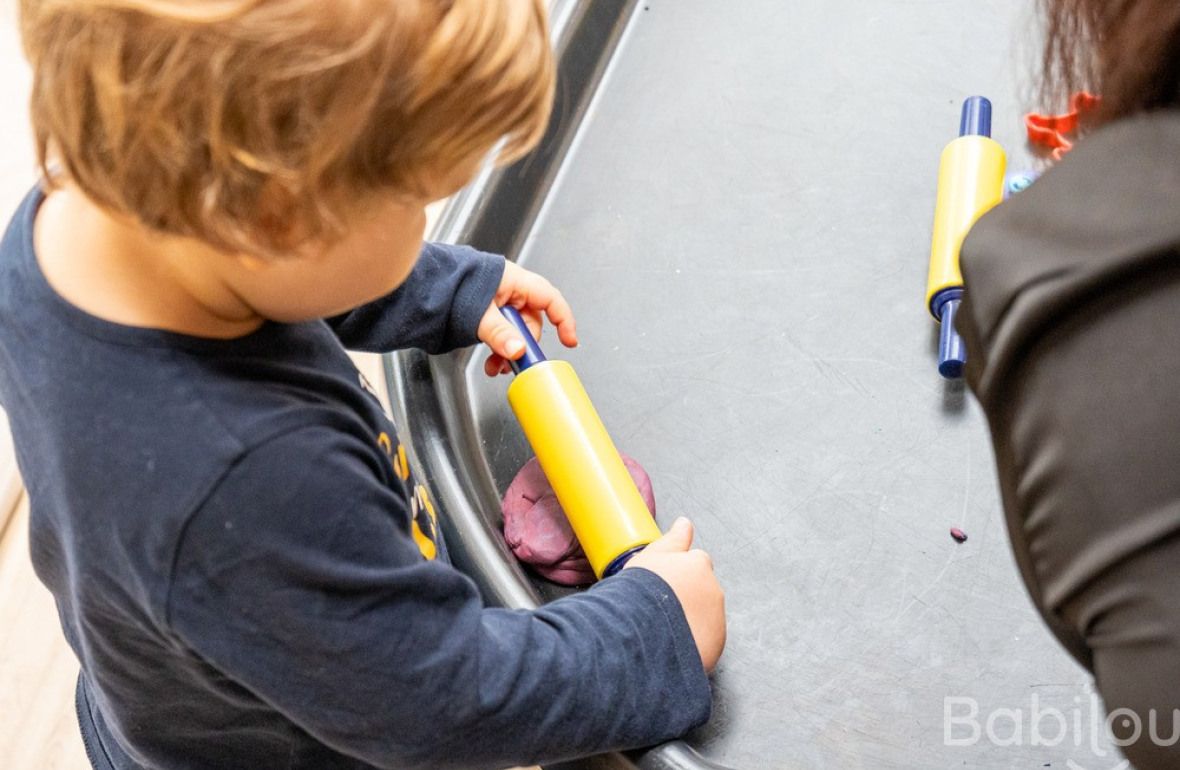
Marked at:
<point>37,668</point>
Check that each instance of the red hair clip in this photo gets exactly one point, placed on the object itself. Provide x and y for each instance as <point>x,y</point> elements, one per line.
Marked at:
<point>1050,130</point>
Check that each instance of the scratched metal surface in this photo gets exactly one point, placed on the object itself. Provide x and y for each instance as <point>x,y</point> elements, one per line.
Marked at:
<point>742,228</point>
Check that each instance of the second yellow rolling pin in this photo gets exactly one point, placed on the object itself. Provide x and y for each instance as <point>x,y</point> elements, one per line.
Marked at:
<point>605,509</point>
<point>970,181</point>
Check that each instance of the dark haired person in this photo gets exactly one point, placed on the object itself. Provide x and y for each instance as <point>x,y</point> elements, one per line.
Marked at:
<point>1072,322</point>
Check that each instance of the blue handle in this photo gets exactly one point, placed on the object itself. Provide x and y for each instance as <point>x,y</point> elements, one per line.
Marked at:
<point>620,561</point>
<point>532,351</point>
<point>952,353</point>
<point>976,119</point>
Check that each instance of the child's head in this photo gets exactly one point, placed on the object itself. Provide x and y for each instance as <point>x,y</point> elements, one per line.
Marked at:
<point>256,125</point>
<point>1128,51</point>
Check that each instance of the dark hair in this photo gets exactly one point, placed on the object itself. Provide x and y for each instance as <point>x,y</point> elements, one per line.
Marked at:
<point>1127,51</point>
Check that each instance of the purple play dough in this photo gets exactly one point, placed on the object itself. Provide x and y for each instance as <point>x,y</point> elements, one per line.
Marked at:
<point>537,531</point>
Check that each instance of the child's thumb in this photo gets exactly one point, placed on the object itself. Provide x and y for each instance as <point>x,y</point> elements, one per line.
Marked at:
<point>677,539</point>
<point>500,335</point>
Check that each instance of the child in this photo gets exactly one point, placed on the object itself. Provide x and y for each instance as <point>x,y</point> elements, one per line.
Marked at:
<point>1071,322</point>
<point>240,555</point>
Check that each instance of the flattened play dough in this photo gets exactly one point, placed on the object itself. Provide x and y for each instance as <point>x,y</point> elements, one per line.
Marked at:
<point>537,531</point>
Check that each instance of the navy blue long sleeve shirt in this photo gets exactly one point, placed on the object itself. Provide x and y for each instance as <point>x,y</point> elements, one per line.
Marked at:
<point>251,577</point>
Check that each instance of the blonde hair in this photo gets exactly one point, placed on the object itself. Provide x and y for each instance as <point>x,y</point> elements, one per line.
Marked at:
<point>255,124</point>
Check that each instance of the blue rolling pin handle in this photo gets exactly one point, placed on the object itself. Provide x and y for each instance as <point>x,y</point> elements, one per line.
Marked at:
<point>532,351</point>
<point>952,354</point>
<point>620,561</point>
<point>976,119</point>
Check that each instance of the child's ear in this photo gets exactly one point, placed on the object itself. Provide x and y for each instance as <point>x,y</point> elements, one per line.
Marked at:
<point>276,217</point>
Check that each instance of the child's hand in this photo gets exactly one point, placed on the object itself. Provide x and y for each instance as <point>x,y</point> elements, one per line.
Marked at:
<point>690,574</point>
<point>532,295</point>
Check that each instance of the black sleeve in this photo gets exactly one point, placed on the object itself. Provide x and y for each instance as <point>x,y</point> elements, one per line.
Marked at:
<point>437,309</point>
<point>312,595</point>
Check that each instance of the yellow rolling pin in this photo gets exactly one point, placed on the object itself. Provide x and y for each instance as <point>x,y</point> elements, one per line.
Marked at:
<point>970,181</point>
<point>604,507</point>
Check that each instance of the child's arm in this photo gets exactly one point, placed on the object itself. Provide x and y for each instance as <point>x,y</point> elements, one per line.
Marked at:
<point>437,309</point>
<point>313,597</point>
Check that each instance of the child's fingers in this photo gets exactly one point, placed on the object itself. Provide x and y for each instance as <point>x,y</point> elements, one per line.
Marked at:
<point>500,335</point>
<point>535,293</point>
<point>503,337</point>
<point>495,365</point>
<point>677,539</point>
<point>559,312</point>
<point>532,319</point>
<point>561,315</point>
